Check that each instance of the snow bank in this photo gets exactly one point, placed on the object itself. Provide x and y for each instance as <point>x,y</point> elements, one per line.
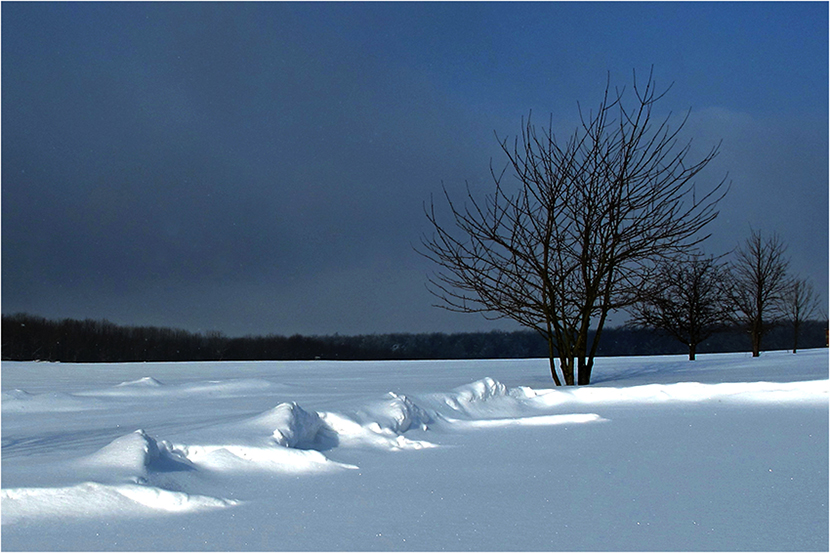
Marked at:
<point>91,500</point>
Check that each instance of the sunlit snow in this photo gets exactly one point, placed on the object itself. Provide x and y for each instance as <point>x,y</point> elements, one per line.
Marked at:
<point>724,453</point>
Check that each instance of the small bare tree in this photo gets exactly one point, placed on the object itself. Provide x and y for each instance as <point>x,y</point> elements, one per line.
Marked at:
<point>759,274</point>
<point>800,303</point>
<point>573,241</point>
<point>687,298</point>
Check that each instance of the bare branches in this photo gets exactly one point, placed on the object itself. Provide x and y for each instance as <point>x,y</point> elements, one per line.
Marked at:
<point>760,284</point>
<point>688,298</point>
<point>800,302</point>
<point>571,237</point>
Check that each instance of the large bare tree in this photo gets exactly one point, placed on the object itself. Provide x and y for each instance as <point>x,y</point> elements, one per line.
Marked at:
<point>687,298</point>
<point>572,237</point>
<point>759,273</point>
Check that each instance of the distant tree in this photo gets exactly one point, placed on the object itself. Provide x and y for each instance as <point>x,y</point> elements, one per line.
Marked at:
<point>759,276</point>
<point>800,304</point>
<point>571,244</point>
<point>687,298</point>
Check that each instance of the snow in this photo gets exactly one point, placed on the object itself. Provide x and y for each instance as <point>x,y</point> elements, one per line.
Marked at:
<point>723,453</point>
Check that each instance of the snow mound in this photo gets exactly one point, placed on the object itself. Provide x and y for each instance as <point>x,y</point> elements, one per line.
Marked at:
<point>16,394</point>
<point>379,426</point>
<point>354,434</point>
<point>91,499</point>
<point>294,426</point>
<point>290,425</point>
<point>286,439</point>
<point>136,454</point>
<point>146,382</point>
<point>397,415</point>
<point>487,397</point>
<point>406,415</point>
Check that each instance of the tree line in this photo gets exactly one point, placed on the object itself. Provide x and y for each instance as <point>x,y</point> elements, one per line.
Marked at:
<point>31,338</point>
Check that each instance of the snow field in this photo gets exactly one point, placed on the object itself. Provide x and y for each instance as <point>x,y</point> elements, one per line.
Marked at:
<point>301,456</point>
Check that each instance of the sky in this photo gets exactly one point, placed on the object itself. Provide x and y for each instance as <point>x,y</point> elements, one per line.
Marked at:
<point>262,168</point>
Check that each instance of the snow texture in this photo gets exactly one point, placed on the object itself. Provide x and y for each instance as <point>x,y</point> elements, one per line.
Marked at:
<point>724,453</point>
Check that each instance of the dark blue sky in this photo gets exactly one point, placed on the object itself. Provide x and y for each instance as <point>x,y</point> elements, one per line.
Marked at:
<point>261,167</point>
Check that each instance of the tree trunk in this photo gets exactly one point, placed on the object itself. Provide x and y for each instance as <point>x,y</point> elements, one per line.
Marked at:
<point>756,342</point>
<point>692,351</point>
<point>795,337</point>
<point>552,360</point>
<point>585,371</point>
<point>567,366</point>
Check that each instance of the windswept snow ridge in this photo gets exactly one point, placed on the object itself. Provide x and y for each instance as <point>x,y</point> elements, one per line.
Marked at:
<point>488,397</point>
<point>134,470</point>
<point>285,439</point>
<point>91,500</point>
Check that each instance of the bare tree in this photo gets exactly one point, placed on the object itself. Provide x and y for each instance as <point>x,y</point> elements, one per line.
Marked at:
<point>759,273</point>
<point>572,241</point>
<point>800,303</point>
<point>687,298</point>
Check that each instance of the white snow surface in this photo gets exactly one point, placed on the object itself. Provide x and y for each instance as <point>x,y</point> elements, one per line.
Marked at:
<point>723,453</point>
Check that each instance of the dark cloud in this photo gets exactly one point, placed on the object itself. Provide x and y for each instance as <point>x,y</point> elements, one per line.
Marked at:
<point>260,168</point>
